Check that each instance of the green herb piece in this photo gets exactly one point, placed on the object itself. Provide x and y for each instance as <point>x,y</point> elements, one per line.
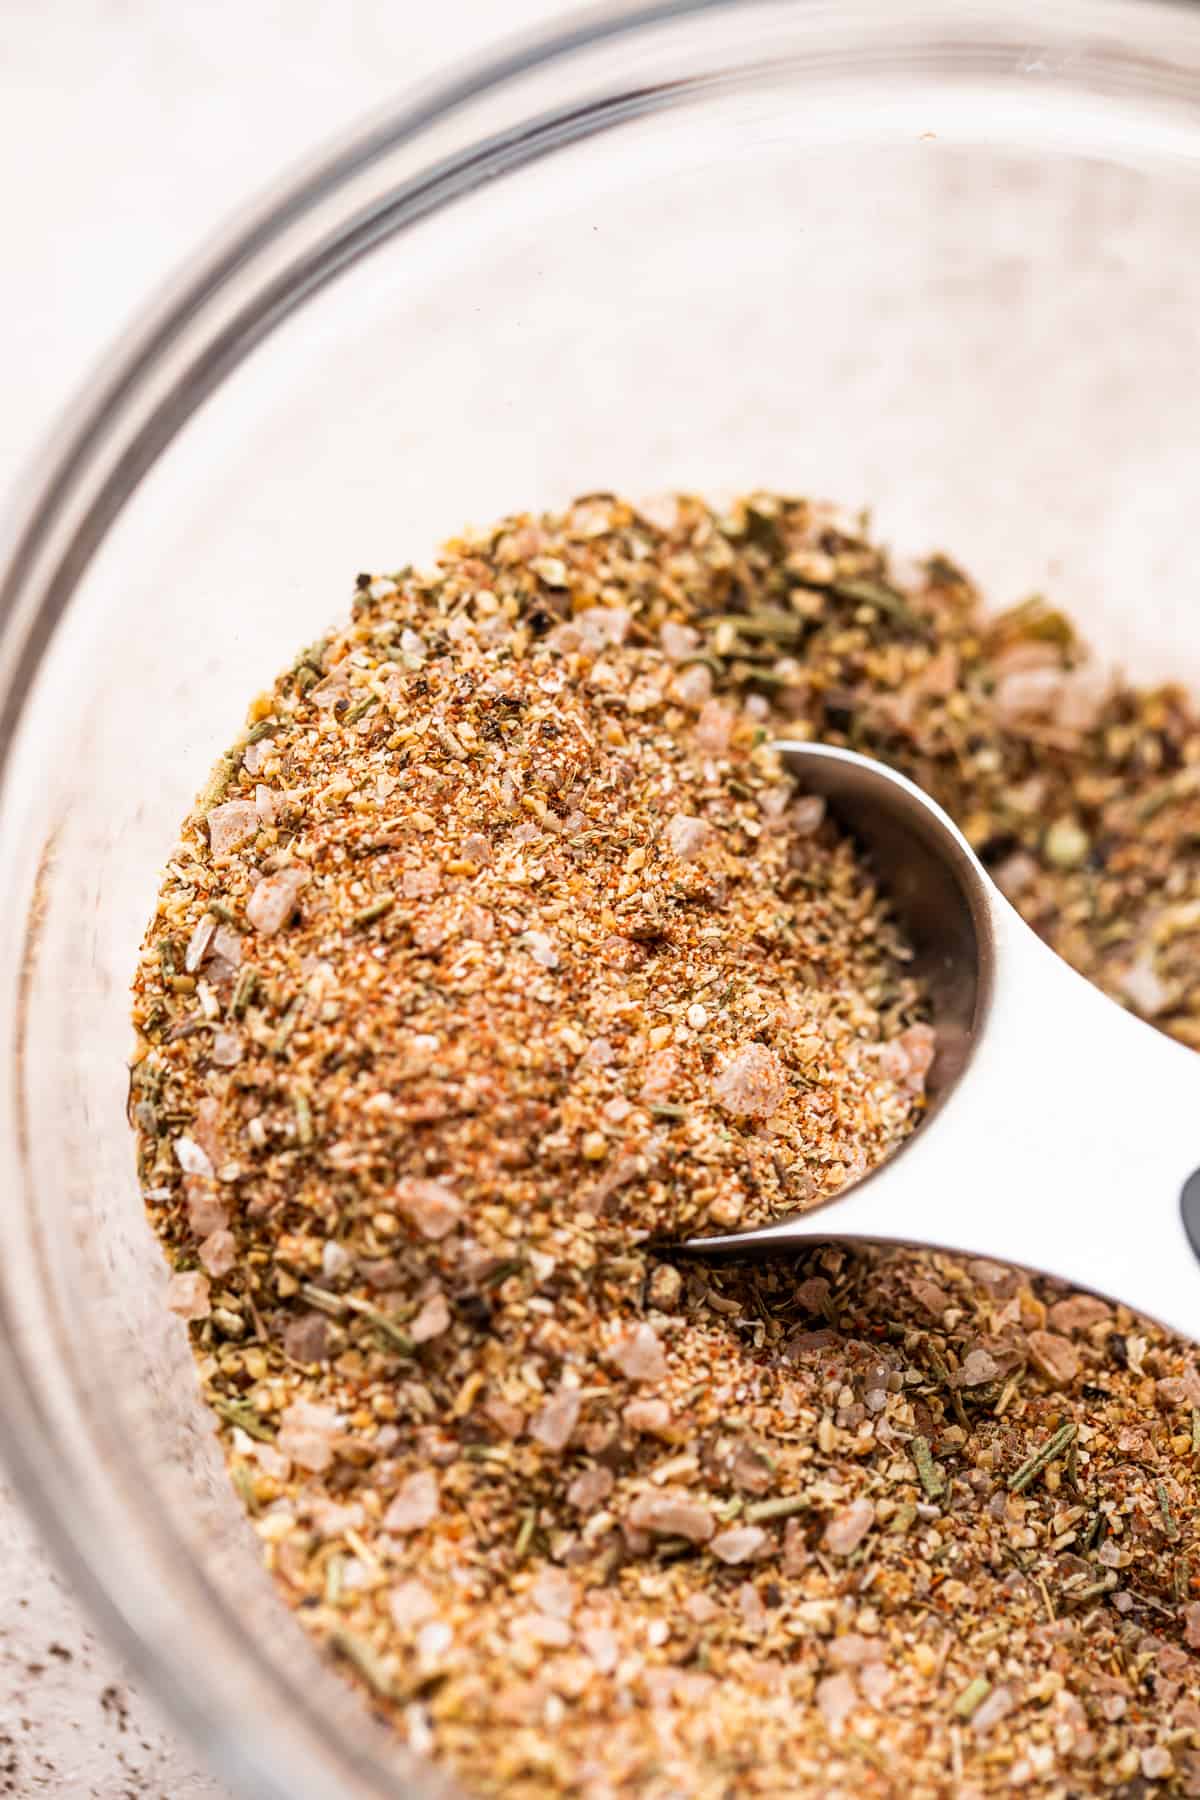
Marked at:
<point>365,1659</point>
<point>302,1107</point>
<point>243,1481</point>
<point>244,990</point>
<point>783,1508</point>
<point>525,1534</point>
<point>383,1323</point>
<point>1170,1523</point>
<point>1041,1459</point>
<point>885,599</point>
<point>376,909</point>
<point>238,1412</point>
<point>786,627</point>
<point>972,1697</point>
<point>286,1026</point>
<point>323,1300</point>
<point>1181,1578</point>
<point>1094,1589</point>
<point>902,1519</point>
<point>930,1476</point>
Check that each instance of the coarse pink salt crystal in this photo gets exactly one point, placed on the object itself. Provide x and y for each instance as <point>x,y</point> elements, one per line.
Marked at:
<point>187,1295</point>
<point>226,1049</point>
<point>978,1366</point>
<point>508,1419</point>
<point>701,1608</point>
<point>677,640</point>
<point>638,1354</point>
<point>602,1646</point>
<point>225,952</point>
<point>554,1593</point>
<point>659,1079</point>
<point>692,687</point>
<point>198,943</point>
<point>1175,1390</point>
<point>1016,873</point>
<point>230,825</point>
<point>205,1212</point>
<point>752,1085</point>
<point>750,1605</point>
<point>907,1059</point>
<point>434,1638</point>
<point>852,1650</point>
<point>476,848</point>
<point>1027,693</point>
<point>270,1460</point>
<point>331,1519</point>
<point>599,627</point>
<point>1143,985</point>
<point>191,1158</point>
<point>415,1506</point>
<point>218,1253</point>
<point>432,1207</point>
<point>274,900</point>
<point>332,689</point>
<point>688,837</point>
<point>410,1604</point>
<point>837,1696</point>
<point>876,1682</point>
<point>306,1434</point>
<point>1055,1356</point>
<point>431,1321</point>
<point>591,1489</point>
<point>644,695</point>
<point>997,1706</point>
<point>206,1129</point>
<point>714,727</point>
<point>847,1529</point>
<point>421,884</point>
<point>672,1514</point>
<point>553,1425</point>
<point>540,947</point>
<point>536,1628</point>
<point>808,815</point>
<point>653,1417</point>
<point>1078,1312</point>
<point>739,1544</point>
<point>306,1339</point>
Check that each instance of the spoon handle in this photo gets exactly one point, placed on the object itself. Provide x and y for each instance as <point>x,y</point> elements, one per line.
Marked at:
<point>1067,1149</point>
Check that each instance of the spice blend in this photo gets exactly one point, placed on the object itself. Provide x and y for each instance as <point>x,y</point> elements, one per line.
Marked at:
<point>500,948</point>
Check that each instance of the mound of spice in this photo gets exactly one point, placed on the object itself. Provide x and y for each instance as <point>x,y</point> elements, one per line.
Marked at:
<point>501,947</point>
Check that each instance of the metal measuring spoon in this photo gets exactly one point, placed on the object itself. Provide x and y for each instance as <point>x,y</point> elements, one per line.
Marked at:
<point>1062,1133</point>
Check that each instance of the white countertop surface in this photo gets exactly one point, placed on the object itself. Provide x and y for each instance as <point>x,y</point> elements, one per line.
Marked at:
<point>129,129</point>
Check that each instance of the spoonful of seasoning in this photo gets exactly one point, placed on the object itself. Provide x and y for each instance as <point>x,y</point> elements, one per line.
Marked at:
<point>1061,1134</point>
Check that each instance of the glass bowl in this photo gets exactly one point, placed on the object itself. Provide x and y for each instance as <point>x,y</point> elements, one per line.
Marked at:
<point>933,258</point>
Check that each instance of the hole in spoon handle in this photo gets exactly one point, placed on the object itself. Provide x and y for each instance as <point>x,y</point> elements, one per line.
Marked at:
<point>1189,1205</point>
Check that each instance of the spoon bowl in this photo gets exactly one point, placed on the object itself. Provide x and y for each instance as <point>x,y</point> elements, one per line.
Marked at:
<point>1062,1133</point>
